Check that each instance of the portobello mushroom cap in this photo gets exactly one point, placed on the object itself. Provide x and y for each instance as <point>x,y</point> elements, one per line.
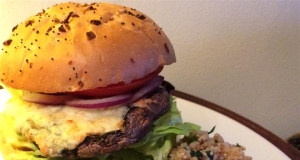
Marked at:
<point>137,123</point>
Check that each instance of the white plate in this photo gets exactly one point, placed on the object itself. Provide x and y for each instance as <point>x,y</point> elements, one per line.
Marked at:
<point>231,130</point>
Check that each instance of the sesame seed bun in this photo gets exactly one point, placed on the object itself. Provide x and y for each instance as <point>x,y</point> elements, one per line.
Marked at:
<point>73,47</point>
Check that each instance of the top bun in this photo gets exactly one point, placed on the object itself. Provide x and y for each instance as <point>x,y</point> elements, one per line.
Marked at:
<point>73,47</point>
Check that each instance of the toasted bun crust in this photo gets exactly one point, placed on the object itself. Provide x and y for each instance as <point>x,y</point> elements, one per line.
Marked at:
<point>73,47</point>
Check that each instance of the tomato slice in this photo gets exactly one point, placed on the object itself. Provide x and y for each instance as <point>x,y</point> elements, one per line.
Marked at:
<point>119,88</point>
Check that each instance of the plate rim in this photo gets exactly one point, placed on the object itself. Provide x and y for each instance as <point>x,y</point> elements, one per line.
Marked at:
<point>278,142</point>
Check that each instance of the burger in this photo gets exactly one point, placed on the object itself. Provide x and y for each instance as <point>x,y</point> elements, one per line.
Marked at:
<point>85,83</point>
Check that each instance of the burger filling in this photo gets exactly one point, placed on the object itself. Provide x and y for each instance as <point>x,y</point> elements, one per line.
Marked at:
<point>144,128</point>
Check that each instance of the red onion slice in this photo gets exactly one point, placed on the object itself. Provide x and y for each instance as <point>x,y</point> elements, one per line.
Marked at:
<point>151,86</point>
<point>47,99</point>
<point>99,103</point>
<point>92,103</point>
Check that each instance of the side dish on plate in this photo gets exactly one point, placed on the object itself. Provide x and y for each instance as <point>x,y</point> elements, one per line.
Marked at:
<point>85,83</point>
<point>200,145</point>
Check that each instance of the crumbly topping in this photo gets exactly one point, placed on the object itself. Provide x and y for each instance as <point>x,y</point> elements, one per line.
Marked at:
<point>199,146</point>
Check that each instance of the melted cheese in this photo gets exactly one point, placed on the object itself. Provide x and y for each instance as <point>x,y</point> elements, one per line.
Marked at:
<point>55,128</point>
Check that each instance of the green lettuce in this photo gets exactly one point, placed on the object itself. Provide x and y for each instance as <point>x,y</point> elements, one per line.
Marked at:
<point>158,142</point>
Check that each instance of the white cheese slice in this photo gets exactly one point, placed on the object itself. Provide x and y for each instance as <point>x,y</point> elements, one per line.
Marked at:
<point>55,128</point>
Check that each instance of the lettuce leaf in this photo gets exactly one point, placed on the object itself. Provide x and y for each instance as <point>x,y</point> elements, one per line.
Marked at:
<point>157,144</point>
